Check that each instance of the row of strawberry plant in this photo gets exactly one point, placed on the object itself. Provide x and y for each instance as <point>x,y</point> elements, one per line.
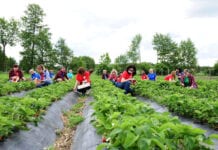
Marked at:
<point>200,104</point>
<point>130,124</point>
<point>15,112</point>
<point>8,88</point>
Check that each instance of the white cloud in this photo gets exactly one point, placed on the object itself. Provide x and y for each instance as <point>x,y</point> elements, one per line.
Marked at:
<point>95,27</point>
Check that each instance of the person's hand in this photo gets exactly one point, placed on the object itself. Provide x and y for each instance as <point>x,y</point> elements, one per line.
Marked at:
<point>182,84</point>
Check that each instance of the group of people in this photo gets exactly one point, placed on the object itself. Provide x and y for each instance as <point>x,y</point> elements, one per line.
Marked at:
<point>125,79</point>
<point>41,77</point>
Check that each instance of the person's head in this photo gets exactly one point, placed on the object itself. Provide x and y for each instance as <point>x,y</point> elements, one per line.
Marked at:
<point>81,71</point>
<point>15,67</point>
<point>131,69</point>
<point>40,68</point>
<point>70,71</point>
<point>114,72</point>
<point>151,70</point>
<point>179,70</point>
<point>143,72</point>
<point>173,73</point>
<point>104,71</point>
<point>31,71</point>
<point>63,69</point>
<point>186,72</point>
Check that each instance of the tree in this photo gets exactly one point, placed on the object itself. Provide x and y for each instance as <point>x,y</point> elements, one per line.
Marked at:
<point>45,54</point>
<point>166,49</point>
<point>121,62</point>
<point>187,54</point>
<point>64,53</point>
<point>105,59</point>
<point>82,61</point>
<point>216,68</point>
<point>8,36</point>
<point>134,53</point>
<point>32,24</point>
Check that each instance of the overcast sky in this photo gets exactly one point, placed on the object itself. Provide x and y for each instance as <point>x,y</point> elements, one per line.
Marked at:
<point>93,27</point>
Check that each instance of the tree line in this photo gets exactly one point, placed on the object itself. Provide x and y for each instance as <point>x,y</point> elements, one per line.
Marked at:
<point>35,38</point>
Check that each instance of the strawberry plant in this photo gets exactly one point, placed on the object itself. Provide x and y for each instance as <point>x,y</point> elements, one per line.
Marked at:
<point>127,123</point>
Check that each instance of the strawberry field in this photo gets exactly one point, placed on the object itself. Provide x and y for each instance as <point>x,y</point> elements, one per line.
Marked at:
<point>123,121</point>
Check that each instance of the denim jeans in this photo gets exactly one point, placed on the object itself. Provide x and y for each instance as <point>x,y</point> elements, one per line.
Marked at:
<point>125,86</point>
<point>45,83</point>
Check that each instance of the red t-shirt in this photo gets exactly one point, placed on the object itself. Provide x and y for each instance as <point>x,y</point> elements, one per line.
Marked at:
<point>125,75</point>
<point>85,77</point>
<point>113,77</point>
<point>144,77</point>
<point>168,77</point>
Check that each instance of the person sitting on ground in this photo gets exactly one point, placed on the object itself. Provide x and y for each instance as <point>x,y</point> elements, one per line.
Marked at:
<point>35,77</point>
<point>143,75</point>
<point>70,74</point>
<point>15,74</point>
<point>171,77</point>
<point>83,82</point>
<point>51,73</point>
<point>61,75</point>
<point>113,76</point>
<point>188,80</point>
<point>179,73</point>
<point>127,79</point>
<point>105,75</point>
<point>151,75</point>
<point>45,79</point>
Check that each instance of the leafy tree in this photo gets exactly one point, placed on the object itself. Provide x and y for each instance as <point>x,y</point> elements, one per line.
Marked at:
<point>10,62</point>
<point>121,62</point>
<point>216,68</point>
<point>166,49</point>
<point>64,53</point>
<point>45,54</point>
<point>134,53</point>
<point>82,61</point>
<point>32,24</point>
<point>105,59</point>
<point>187,54</point>
<point>8,36</point>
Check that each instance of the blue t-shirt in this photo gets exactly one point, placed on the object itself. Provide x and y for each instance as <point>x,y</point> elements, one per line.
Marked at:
<point>69,75</point>
<point>152,76</point>
<point>35,76</point>
<point>51,74</point>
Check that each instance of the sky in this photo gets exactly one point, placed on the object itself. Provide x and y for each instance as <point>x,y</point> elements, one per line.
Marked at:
<point>94,27</point>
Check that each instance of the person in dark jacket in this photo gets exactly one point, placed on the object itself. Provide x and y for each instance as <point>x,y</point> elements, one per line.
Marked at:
<point>61,75</point>
<point>15,74</point>
<point>105,75</point>
<point>188,80</point>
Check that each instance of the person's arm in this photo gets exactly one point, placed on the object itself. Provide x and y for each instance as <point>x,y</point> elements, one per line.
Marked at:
<point>66,76</point>
<point>56,76</point>
<point>75,86</point>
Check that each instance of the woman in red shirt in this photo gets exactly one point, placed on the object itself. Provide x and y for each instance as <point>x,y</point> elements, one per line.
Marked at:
<point>171,77</point>
<point>83,82</point>
<point>127,79</point>
<point>143,75</point>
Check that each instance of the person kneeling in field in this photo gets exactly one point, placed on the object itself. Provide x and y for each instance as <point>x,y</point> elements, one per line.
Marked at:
<point>113,76</point>
<point>45,79</point>
<point>83,82</point>
<point>15,74</point>
<point>171,77</point>
<point>35,77</point>
<point>188,80</point>
<point>143,75</point>
<point>61,75</point>
<point>127,79</point>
